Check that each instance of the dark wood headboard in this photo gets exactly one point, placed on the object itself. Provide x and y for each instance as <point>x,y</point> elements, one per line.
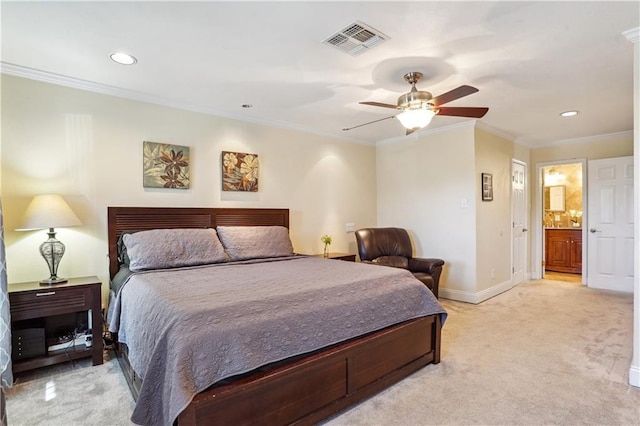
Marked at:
<point>133,219</point>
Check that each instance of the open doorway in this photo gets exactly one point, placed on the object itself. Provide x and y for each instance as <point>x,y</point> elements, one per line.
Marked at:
<point>562,221</point>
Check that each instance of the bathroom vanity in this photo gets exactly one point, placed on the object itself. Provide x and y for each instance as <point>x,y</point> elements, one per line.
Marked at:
<point>563,248</point>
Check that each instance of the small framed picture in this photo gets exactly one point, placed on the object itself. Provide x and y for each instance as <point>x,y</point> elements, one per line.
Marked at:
<point>487,187</point>
<point>240,171</point>
<point>165,165</point>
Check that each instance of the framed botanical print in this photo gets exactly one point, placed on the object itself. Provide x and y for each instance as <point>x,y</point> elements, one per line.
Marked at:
<point>165,166</point>
<point>240,171</point>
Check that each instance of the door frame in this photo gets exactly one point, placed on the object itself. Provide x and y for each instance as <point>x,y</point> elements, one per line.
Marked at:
<point>526,220</point>
<point>538,254</point>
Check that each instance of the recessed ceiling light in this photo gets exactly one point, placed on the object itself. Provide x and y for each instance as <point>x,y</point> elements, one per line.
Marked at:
<point>123,58</point>
<point>569,113</point>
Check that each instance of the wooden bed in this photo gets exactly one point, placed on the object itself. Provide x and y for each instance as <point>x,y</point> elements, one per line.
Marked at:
<point>301,390</point>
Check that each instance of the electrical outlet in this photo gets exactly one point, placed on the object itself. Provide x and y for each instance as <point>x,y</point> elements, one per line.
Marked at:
<point>351,227</point>
<point>493,273</point>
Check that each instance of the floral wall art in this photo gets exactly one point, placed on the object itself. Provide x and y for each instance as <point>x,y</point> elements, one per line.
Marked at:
<point>239,171</point>
<point>165,166</point>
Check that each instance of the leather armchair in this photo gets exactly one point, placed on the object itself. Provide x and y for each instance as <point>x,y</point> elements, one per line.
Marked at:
<point>392,247</point>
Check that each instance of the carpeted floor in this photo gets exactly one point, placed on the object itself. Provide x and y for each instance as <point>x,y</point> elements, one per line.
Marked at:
<point>71,394</point>
<point>545,352</point>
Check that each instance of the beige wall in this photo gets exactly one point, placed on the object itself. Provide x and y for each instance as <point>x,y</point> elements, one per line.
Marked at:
<point>493,244</point>
<point>427,185</point>
<point>431,186</point>
<point>88,148</point>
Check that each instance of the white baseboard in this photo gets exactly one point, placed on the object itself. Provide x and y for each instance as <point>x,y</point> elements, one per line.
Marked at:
<point>458,295</point>
<point>475,298</point>
<point>494,291</point>
<point>634,376</point>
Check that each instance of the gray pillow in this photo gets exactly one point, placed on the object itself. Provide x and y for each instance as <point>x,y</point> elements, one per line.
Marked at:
<point>123,257</point>
<point>172,248</point>
<point>255,242</point>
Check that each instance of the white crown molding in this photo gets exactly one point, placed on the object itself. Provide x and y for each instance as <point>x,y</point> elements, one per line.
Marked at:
<point>499,133</point>
<point>588,139</point>
<point>573,141</point>
<point>61,80</point>
<point>75,83</point>
<point>432,131</point>
<point>496,132</point>
<point>427,132</point>
<point>633,35</point>
<point>524,142</point>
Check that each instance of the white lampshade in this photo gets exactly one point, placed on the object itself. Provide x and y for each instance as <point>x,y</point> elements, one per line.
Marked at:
<point>415,118</point>
<point>48,211</point>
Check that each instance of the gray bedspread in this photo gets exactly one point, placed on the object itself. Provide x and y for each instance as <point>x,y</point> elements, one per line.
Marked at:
<point>189,328</point>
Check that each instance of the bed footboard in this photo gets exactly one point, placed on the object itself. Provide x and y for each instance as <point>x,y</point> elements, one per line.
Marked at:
<point>317,386</point>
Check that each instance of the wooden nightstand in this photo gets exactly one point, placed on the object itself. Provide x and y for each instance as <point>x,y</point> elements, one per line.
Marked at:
<point>38,310</point>
<point>339,256</point>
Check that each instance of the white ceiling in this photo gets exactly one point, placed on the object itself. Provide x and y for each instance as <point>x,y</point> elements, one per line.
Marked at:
<point>530,60</point>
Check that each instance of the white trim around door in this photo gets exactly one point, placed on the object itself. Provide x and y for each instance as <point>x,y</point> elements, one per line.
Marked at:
<point>537,228</point>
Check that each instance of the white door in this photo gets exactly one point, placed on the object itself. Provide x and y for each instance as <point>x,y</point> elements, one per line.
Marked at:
<point>518,222</point>
<point>610,224</point>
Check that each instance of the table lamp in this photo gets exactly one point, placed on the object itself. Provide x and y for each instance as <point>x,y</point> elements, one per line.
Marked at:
<point>49,211</point>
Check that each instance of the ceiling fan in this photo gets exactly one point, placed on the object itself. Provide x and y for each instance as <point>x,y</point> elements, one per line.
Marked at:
<point>418,107</point>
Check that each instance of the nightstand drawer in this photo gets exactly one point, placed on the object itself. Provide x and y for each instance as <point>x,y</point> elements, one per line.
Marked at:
<point>48,301</point>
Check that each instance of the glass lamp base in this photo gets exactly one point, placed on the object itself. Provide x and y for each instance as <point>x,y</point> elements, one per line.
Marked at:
<point>52,250</point>
<point>53,281</point>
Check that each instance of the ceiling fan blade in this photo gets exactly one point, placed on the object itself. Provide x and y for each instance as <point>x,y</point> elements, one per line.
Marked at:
<point>473,112</point>
<point>454,94</point>
<point>370,122</point>
<point>379,104</point>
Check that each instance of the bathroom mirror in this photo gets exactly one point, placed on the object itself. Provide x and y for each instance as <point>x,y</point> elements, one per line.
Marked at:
<point>554,198</point>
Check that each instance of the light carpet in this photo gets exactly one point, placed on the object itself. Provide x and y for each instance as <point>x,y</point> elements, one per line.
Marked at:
<point>75,393</point>
<point>545,352</point>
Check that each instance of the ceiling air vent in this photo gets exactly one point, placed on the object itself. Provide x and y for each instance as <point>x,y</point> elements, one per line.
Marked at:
<point>356,38</point>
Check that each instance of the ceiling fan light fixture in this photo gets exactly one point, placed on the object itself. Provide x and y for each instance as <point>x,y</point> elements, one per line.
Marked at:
<point>414,99</point>
<point>414,119</point>
<point>417,107</point>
